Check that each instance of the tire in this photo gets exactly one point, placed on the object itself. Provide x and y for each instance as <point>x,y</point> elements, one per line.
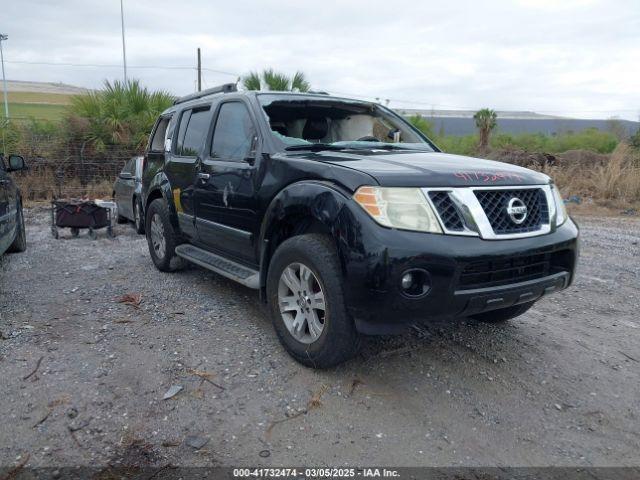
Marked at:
<point>75,232</point>
<point>338,340</point>
<point>165,259</point>
<point>503,314</point>
<point>20,242</point>
<point>137,215</point>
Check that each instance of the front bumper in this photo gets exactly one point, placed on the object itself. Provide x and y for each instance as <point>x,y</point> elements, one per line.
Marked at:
<point>375,258</point>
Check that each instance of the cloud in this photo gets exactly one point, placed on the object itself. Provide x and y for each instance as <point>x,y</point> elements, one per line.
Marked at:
<point>576,57</point>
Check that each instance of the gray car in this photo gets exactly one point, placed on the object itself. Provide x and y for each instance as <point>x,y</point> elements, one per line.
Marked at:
<point>127,194</point>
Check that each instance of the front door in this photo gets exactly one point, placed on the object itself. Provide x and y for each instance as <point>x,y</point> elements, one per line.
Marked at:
<point>124,189</point>
<point>184,161</point>
<point>226,200</point>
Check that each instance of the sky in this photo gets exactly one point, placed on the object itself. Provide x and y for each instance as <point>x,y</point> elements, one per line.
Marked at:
<point>577,58</point>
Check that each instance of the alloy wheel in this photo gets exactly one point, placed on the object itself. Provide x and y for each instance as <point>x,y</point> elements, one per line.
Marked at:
<point>301,301</point>
<point>157,236</point>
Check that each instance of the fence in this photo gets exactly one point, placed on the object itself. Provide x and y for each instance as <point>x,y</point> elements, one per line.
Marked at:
<point>61,166</point>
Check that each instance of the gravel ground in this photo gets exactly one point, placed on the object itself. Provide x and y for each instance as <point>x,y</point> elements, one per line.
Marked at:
<point>557,386</point>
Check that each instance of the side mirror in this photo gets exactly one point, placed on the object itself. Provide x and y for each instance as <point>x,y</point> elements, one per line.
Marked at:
<point>251,156</point>
<point>16,162</point>
<point>125,176</point>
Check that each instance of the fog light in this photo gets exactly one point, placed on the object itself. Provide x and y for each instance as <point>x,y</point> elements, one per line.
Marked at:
<point>407,281</point>
<point>415,283</point>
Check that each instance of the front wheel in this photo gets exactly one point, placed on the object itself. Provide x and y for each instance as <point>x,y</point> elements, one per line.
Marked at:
<point>502,314</point>
<point>20,242</point>
<point>306,299</point>
<point>161,237</point>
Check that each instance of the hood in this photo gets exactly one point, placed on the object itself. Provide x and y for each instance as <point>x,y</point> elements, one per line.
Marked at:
<point>431,169</point>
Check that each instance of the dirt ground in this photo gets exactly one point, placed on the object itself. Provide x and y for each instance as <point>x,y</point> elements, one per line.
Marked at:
<point>83,376</point>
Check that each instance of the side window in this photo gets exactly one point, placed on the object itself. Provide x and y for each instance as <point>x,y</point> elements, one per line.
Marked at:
<point>184,121</point>
<point>157,142</point>
<point>234,133</point>
<point>195,132</point>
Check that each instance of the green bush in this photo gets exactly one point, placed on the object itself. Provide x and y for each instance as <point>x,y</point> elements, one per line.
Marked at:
<point>590,139</point>
<point>422,124</point>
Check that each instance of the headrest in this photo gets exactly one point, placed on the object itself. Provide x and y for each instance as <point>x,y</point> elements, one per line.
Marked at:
<point>315,128</point>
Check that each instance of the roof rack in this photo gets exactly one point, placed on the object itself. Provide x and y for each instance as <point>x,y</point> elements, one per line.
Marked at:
<point>226,88</point>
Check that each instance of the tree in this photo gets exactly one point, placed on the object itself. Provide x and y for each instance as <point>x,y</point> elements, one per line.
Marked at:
<point>276,81</point>
<point>121,114</point>
<point>486,122</point>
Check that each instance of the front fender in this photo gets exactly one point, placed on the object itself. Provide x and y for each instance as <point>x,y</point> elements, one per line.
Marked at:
<point>159,187</point>
<point>322,202</point>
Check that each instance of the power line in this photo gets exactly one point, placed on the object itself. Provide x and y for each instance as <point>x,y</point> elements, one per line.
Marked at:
<point>353,95</point>
<point>111,65</point>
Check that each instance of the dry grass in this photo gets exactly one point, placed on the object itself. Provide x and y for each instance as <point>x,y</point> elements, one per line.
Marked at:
<point>613,182</point>
<point>41,185</point>
<point>609,181</point>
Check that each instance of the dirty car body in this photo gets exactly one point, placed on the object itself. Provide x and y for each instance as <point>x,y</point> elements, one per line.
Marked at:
<point>419,235</point>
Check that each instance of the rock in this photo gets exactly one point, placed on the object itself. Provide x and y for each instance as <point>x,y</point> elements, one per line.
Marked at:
<point>196,441</point>
<point>172,392</point>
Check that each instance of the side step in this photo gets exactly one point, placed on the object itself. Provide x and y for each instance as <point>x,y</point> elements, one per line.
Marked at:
<point>225,267</point>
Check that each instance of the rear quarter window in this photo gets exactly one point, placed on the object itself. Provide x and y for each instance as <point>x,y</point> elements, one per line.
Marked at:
<point>194,126</point>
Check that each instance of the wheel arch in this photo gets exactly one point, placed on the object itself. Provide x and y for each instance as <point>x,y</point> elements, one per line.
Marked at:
<point>300,208</point>
<point>160,188</point>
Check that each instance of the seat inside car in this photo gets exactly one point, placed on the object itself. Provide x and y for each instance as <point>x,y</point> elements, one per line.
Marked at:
<point>315,128</point>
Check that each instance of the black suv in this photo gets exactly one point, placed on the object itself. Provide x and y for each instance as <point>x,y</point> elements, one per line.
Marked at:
<point>346,218</point>
<point>12,233</point>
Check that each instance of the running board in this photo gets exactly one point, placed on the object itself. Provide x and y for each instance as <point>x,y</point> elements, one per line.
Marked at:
<point>225,267</point>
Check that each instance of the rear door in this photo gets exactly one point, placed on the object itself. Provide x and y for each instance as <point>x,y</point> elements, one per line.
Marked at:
<point>226,200</point>
<point>184,161</point>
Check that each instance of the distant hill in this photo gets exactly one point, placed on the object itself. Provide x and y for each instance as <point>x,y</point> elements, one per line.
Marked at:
<point>40,100</point>
<point>460,122</point>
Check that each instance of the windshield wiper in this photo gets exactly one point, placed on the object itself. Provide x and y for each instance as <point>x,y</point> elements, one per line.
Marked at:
<point>388,146</point>
<point>316,147</point>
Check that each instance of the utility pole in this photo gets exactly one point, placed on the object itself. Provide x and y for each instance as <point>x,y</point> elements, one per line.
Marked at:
<point>4,80</point>
<point>199,72</point>
<point>124,50</point>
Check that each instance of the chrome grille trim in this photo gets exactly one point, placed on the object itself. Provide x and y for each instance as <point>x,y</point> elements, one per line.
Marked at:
<point>476,223</point>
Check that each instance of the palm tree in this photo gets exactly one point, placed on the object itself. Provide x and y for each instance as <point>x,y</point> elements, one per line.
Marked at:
<point>276,81</point>
<point>120,114</point>
<point>486,122</point>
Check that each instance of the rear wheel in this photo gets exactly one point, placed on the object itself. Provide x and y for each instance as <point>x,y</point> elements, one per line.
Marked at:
<point>304,289</point>
<point>161,237</point>
<point>137,215</point>
<point>503,314</point>
<point>20,242</point>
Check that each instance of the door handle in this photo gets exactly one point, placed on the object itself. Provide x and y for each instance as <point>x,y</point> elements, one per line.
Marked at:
<point>203,176</point>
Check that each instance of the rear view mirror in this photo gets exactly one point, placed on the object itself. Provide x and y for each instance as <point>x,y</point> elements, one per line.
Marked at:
<point>16,162</point>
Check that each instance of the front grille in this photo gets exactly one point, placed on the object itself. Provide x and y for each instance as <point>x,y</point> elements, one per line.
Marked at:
<point>495,203</point>
<point>447,210</point>
<point>504,271</point>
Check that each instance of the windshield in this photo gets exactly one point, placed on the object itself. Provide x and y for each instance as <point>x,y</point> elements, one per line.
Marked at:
<point>316,122</point>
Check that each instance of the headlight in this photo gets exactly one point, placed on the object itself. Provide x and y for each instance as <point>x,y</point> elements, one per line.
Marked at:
<point>403,208</point>
<point>561,210</point>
